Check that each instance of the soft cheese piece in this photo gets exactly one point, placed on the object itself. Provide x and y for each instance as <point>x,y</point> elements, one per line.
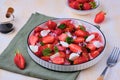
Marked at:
<point>44,32</point>
<point>64,44</point>
<point>97,44</point>
<point>55,55</point>
<point>73,56</point>
<point>34,48</point>
<point>89,38</point>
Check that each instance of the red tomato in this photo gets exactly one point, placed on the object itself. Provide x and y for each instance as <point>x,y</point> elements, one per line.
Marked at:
<point>46,58</point>
<point>79,40</point>
<point>94,53</point>
<point>33,40</point>
<point>48,39</point>
<point>62,37</point>
<point>80,33</point>
<point>91,46</point>
<point>99,18</point>
<point>75,48</point>
<point>80,60</point>
<point>58,60</point>
<point>51,24</point>
<point>86,6</point>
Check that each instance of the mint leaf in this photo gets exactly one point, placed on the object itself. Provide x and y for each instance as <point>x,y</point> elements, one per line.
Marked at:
<point>42,43</point>
<point>93,4</point>
<point>82,27</point>
<point>47,52</point>
<point>62,26</point>
<point>55,49</point>
<point>69,40</point>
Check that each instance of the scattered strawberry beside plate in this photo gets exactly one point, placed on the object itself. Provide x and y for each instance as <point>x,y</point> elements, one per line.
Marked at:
<point>19,60</point>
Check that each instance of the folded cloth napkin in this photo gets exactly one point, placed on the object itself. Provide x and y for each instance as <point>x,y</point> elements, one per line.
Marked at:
<point>32,69</point>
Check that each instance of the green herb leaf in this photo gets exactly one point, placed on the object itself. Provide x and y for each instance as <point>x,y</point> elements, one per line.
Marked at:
<point>93,4</point>
<point>62,26</point>
<point>47,52</point>
<point>42,43</point>
<point>69,40</point>
<point>55,49</point>
<point>82,27</point>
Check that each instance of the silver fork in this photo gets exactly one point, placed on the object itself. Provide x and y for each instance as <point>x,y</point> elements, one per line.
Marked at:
<point>111,61</point>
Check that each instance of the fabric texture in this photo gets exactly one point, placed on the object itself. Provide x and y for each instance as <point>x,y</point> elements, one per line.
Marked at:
<point>32,69</point>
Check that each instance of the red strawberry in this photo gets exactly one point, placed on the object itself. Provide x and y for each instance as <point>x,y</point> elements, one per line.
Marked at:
<point>51,24</point>
<point>62,37</point>
<point>58,60</point>
<point>62,54</point>
<point>48,39</point>
<point>79,40</point>
<point>81,1</point>
<point>99,17</point>
<point>75,5</point>
<point>80,60</point>
<point>80,33</point>
<point>86,6</point>
<point>19,60</point>
<point>75,48</point>
<point>33,40</point>
<point>37,29</point>
<point>46,58</point>
<point>58,31</point>
<point>94,53</point>
<point>91,46</point>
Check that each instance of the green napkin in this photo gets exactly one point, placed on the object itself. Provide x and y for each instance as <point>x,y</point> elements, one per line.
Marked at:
<point>32,69</point>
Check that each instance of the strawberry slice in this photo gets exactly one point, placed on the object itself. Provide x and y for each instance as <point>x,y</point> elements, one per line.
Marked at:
<point>48,39</point>
<point>33,40</point>
<point>91,46</point>
<point>51,24</point>
<point>46,58</point>
<point>80,60</point>
<point>79,40</point>
<point>75,48</point>
<point>62,37</point>
<point>58,60</point>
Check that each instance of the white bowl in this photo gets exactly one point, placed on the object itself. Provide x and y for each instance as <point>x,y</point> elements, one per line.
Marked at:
<point>75,67</point>
<point>83,12</point>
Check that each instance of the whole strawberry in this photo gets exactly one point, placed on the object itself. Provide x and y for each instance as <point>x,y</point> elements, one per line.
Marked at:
<point>19,60</point>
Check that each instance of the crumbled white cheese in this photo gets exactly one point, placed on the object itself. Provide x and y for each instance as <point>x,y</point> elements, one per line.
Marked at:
<point>64,44</point>
<point>73,56</point>
<point>34,48</point>
<point>44,32</point>
<point>89,38</point>
<point>97,44</point>
<point>55,55</point>
<point>68,34</point>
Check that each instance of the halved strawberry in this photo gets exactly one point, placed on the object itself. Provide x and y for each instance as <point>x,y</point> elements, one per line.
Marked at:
<point>75,48</point>
<point>58,60</point>
<point>79,40</point>
<point>46,58</point>
<point>62,54</point>
<point>94,53</point>
<point>61,48</point>
<point>80,60</point>
<point>37,29</point>
<point>51,24</point>
<point>80,33</point>
<point>48,39</point>
<point>57,31</point>
<point>62,37</point>
<point>33,40</point>
<point>91,46</point>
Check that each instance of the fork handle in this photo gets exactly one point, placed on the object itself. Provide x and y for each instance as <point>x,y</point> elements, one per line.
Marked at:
<point>101,77</point>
